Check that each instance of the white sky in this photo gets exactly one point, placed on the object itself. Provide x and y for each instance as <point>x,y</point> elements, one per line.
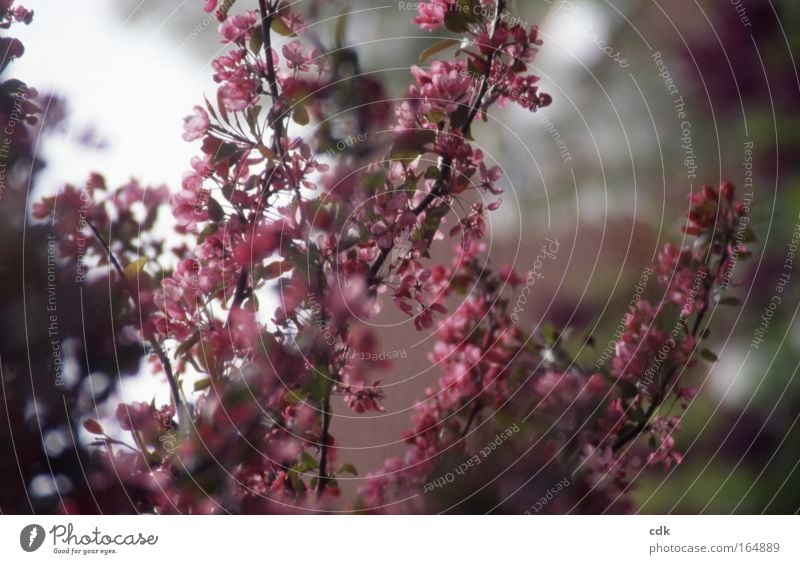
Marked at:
<point>132,81</point>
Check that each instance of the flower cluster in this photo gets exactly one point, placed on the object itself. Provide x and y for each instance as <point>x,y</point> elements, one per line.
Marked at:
<point>584,424</point>
<point>280,258</point>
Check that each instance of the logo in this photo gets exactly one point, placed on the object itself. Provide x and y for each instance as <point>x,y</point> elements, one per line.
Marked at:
<point>31,537</point>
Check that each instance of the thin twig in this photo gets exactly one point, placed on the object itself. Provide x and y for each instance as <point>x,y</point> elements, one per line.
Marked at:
<point>446,163</point>
<point>180,408</point>
<point>323,456</point>
<point>657,401</point>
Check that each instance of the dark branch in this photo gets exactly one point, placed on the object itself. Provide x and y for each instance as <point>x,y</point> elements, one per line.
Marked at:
<point>440,187</point>
<point>162,356</point>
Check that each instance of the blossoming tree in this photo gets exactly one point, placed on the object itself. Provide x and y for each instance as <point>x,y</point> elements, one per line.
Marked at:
<point>283,250</point>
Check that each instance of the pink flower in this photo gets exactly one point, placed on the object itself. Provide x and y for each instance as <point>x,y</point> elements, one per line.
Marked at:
<point>296,59</point>
<point>685,276</point>
<point>196,125</point>
<point>361,398</point>
<point>431,14</point>
<point>446,84</point>
<point>238,28</point>
<point>258,243</point>
<point>239,94</point>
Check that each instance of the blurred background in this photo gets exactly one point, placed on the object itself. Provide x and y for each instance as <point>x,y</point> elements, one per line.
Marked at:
<point>651,100</point>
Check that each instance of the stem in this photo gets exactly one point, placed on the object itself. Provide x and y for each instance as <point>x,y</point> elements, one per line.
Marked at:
<point>323,455</point>
<point>624,439</point>
<point>180,408</point>
<point>446,163</point>
<point>476,408</point>
<point>267,15</point>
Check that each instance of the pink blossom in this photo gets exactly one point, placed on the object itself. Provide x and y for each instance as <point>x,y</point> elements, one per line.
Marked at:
<point>431,14</point>
<point>196,125</point>
<point>238,28</point>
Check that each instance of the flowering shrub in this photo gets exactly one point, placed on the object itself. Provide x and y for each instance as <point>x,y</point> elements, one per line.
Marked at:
<point>262,212</point>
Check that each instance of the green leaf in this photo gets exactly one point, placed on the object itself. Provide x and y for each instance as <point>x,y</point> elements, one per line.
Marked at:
<point>251,117</point>
<point>433,173</point>
<point>347,469</point>
<point>309,462</point>
<point>433,219</point>
<point>549,333</point>
<point>256,40</point>
<point>341,29</point>
<point>708,355</point>
<point>300,115</point>
<point>215,211</point>
<point>202,384</point>
<point>437,48</point>
<point>747,236</point>
<point>225,152</point>
<point>297,482</point>
<point>319,386</point>
<point>133,269</point>
<point>280,27</point>
<point>210,229</point>
<point>456,21</point>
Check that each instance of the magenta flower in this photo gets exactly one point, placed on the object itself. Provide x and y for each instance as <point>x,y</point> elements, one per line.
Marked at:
<point>196,125</point>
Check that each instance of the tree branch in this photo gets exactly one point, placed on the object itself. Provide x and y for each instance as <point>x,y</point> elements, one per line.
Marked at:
<point>180,408</point>
<point>439,188</point>
<point>708,284</point>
